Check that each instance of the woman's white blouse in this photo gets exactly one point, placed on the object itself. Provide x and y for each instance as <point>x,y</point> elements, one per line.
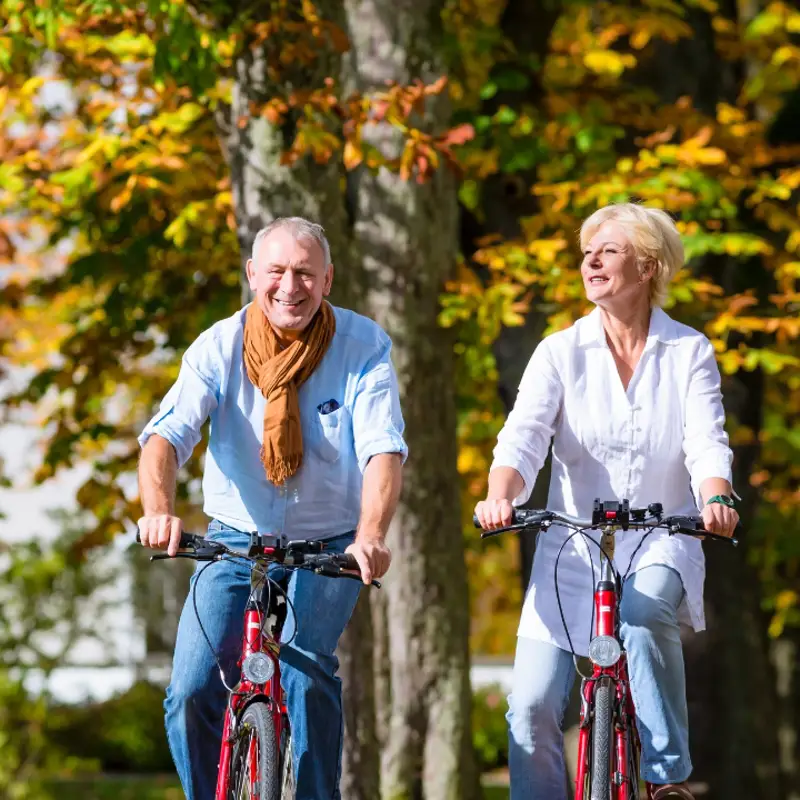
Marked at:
<point>654,443</point>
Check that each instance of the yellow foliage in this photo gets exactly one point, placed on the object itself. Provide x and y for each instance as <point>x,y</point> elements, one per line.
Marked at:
<point>728,114</point>
<point>609,62</point>
<point>784,603</point>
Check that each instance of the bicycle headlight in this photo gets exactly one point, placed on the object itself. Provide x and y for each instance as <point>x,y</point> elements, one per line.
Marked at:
<point>605,651</point>
<point>258,668</point>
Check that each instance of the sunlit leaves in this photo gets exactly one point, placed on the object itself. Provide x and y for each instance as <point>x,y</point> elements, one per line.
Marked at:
<point>608,62</point>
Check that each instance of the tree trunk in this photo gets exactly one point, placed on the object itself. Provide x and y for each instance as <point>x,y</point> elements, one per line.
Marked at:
<point>360,759</point>
<point>406,233</point>
<point>733,703</point>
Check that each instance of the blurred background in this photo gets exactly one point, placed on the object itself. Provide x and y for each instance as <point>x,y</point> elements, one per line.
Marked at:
<point>451,149</point>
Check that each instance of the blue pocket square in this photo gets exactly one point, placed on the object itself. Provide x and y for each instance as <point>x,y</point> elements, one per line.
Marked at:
<point>328,407</point>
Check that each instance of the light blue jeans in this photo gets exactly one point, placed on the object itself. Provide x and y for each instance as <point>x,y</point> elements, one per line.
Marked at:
<point>196,699</point>
<point>544,675</point>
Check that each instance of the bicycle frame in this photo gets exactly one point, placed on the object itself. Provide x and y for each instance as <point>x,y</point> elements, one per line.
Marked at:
<point>626,740</point>
<point>258,638</point>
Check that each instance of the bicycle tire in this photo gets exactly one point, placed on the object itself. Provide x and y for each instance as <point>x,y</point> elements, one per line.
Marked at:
<point>256,722</point>
<point>602,740</point>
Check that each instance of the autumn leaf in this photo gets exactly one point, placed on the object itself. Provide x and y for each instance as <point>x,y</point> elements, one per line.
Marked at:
<point>353,155</point>
<point>461,134</point>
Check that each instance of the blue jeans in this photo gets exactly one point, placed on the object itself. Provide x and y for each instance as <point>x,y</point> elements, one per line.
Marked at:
<point>196,698</point>
<point>544,675</point>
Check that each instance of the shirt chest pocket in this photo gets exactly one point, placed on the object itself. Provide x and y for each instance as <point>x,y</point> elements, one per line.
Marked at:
<point>329,434</point>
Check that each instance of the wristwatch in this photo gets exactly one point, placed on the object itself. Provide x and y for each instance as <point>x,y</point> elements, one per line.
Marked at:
<point>723,499</point>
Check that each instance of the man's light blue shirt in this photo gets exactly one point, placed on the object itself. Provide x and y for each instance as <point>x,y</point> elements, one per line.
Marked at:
<point>355,378</point>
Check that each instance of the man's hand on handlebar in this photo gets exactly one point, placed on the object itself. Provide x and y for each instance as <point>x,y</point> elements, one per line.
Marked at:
<point>161,532</point>
<point>493,514</point>
<point>372,555</point>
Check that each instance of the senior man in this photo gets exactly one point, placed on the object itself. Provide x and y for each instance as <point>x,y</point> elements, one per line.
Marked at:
<point>306,440</point>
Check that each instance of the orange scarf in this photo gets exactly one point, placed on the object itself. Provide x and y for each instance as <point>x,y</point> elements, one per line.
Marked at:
<point>278,374</point>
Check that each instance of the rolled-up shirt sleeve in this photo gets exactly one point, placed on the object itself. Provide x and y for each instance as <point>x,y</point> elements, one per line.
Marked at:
<point>705,442</point>
<point>377,420</point>
<point>190,401</point>
<point>525,438</point>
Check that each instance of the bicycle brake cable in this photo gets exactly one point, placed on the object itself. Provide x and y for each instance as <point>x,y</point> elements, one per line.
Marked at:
<point>579,532</point>
<point>636,550</point>
<point>203,630</point>
<point>558,592</point>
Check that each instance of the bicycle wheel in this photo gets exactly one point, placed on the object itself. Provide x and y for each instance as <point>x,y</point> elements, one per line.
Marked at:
<point>634,759</point>
<point>602,740</point>
<point>254,767</point>
<point>287,764</point>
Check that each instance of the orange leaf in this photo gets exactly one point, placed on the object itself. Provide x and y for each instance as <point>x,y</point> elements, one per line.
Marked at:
<point>437,86</point>
<point>459,135</point>
<point>353,155</point>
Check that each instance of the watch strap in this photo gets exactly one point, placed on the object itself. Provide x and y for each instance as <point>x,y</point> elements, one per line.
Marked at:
<point>722,499</point>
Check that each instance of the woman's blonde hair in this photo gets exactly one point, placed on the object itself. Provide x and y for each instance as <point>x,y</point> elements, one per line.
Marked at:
<point>653,235</point>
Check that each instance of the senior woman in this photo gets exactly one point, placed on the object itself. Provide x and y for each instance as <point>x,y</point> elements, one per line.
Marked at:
<point>631,400</point>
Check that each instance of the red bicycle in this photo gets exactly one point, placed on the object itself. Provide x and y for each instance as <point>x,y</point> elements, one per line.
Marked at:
<point>608,743</point>
<point>256,757</point>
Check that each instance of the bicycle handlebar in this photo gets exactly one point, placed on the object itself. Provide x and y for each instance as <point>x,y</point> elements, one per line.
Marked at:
<point>528,519</point>
<point>299,554</point>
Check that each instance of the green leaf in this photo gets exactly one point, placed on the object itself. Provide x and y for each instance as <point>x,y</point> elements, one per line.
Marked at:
<point>469,194</point>
<point>505,115</point>
<point>510,79</point>
<point>488,90</point>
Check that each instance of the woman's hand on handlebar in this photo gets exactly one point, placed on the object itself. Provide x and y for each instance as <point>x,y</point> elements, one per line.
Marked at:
<point>720,519</point>
<point>161,532</point>
<point>493,514</point>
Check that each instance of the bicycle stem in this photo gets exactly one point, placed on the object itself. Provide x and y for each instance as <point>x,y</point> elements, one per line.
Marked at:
<point>607,545</point>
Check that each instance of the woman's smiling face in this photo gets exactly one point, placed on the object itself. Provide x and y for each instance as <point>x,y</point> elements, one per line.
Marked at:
<point>610,268</point>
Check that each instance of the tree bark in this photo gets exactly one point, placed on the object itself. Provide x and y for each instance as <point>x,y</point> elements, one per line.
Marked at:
<point>360,758</point>
<point>731,683</point>
<point>406,233</point>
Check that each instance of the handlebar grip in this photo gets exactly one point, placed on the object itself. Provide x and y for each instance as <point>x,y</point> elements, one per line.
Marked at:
<point>516,519</point>
<point>529,517</point>
<point>346,561</point>
<point>187,539</point>
<point>702,532</point>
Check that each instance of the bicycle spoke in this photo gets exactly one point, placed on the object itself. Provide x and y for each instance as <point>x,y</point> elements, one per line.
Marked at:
<point>252,767</point>
<point>287,784</point>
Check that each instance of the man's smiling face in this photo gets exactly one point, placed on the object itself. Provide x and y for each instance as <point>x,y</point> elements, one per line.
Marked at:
<point>289,278</point>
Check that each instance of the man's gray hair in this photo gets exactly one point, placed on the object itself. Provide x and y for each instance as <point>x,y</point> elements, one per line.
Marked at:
<point>300,228</point>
